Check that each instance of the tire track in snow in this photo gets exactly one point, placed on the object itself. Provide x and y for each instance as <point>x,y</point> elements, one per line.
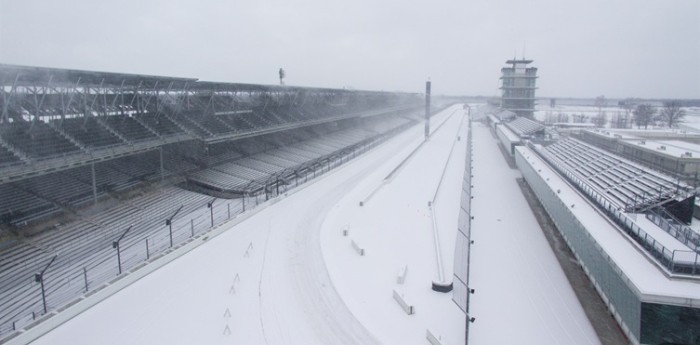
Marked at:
<point>262,269</point>
<point>303,269</point>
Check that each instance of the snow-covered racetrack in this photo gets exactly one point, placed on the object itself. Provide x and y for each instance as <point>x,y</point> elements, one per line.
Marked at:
<point>280,277</point>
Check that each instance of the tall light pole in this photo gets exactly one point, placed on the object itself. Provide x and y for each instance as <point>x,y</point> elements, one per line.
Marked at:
<point>39,278</point>
<point>210,205</point>
<point>169,223</point>
<point>115,245</point>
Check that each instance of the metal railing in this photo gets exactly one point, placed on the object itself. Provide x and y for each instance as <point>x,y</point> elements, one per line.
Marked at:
<point>667,222</point>
<point>72,278</point>
<point>675,261</point>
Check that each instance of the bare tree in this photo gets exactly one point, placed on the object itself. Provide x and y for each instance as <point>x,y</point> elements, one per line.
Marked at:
<point>672,113</point>
<point>601,102</point>
<point>643,115</point>
<point>601,119</point>
<point>623,120</point>
<point>562,117</point>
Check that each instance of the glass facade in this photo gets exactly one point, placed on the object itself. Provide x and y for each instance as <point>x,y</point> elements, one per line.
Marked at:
<point>670,324</point>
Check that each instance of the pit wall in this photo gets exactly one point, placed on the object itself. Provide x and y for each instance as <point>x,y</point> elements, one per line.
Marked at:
<point>460,292</point>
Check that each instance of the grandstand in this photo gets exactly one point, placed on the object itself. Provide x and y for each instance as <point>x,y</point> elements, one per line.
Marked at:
<point>86,155</point>
<point>622,190</point>
<point>624,184</point>
<point>641,259</point>
<point>674,152</point>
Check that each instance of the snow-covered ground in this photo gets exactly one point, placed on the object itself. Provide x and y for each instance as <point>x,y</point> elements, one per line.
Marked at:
<point>288,276</point>
<point>521,293</point>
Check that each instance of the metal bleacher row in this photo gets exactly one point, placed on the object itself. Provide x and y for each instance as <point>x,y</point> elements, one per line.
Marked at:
<point>86,154</point>
<point>624,183</point>
<point>42,139</point>
<point>44,196</point>
<point>84,246</point>
<point>242,174</point>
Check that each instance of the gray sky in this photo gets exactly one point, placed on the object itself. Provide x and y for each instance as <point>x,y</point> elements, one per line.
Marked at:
<point>583,48</point>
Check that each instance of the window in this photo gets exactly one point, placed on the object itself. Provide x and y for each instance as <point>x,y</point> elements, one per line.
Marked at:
<point>668,324</point>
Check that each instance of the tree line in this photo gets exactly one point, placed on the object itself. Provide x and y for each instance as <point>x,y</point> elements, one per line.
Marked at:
<point>670,114</point>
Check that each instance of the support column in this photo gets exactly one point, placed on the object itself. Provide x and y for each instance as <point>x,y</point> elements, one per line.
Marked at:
<point>94,183</point>
<point>427,109</point>
<point>160,150</point>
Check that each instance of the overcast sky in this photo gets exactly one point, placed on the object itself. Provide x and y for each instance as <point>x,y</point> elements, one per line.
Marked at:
<point>583,48</point>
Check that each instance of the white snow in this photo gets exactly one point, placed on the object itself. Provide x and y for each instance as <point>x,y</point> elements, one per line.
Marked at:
<point>288,276</point>
<point>521,293</point>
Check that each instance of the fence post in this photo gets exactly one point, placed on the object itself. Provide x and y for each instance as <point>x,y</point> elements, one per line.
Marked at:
<point>85,277</point>
<point>148,252</point>
<point>228,206</point>
<point>673,261</point>
<point>192,226</point>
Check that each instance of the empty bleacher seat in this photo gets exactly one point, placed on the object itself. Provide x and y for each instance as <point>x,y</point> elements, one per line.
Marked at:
<point>36,139</point>
<point>89,132</point>
<point>129,128</point>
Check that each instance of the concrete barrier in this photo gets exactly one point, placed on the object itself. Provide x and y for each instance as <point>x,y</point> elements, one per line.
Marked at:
<point>357,248</point>
<point>409,309</point>
<point>401,277</point>
<point>432,338</point>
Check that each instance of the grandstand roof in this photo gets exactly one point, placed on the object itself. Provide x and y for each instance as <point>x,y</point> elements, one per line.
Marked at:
<point>29,75</point>
<point>222,86</point>
<point>672,148</point>
<point>524,127</point>
<point>505,114</point>
<point>635,134</point>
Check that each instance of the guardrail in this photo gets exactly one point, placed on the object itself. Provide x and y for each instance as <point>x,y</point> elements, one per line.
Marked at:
<point>682,233</point>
